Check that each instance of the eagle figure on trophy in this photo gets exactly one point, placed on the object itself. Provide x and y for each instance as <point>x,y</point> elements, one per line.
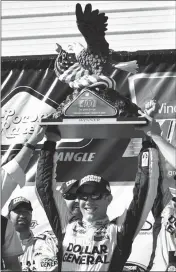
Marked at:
<point>93,66</point>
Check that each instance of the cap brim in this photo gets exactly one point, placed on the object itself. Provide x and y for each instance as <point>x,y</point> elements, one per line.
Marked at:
<point>24,204</point>
<point>66,189</point>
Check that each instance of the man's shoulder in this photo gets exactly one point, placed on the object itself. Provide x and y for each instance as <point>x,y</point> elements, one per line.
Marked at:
<point>45,236</point>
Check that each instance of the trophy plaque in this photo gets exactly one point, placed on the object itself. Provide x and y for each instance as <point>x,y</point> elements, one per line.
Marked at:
<point>90,116</point>
<point>95,109</point>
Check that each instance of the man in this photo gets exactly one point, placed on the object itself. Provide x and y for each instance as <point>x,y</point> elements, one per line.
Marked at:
<point>39,252</point>
<point>93,243</point>
<point>164,232</point>
<point>153,130</point>
<point>10,246</point>
<point>12,173</point>
<point>164,209</point>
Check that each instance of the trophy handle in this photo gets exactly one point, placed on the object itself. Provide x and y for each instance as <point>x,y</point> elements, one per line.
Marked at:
<point>114,73</point>
<point>98,84</point>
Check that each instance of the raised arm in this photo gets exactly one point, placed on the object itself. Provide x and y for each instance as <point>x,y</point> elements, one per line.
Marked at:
<point>153,130</point>
<point>13,173</point>
<point>144,193</point>
<point>51,199</point>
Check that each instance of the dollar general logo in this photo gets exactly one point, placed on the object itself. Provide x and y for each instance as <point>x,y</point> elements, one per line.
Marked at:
<point>49,262</point>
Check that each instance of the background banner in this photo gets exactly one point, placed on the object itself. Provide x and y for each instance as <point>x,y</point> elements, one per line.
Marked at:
<point>30,90</point>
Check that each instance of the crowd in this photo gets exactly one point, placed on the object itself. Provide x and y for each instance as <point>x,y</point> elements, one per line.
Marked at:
<point>82,237</point>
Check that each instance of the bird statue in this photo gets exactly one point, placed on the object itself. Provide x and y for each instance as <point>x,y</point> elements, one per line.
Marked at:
<point>93,66</point>
<point>95,59</point>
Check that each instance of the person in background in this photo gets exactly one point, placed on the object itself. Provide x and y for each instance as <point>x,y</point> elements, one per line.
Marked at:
<point>153,130</point>
<point>10,246</point>
<point>163,257</point>
<point>13,172</point>
<point>40,252</point>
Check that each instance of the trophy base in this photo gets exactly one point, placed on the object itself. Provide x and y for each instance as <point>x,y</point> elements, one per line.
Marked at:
<point>96,128</point>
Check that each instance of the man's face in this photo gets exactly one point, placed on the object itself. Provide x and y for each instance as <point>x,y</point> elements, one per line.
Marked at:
<point>93,205</point>
<point>21,217</point>
<point>73,205</point>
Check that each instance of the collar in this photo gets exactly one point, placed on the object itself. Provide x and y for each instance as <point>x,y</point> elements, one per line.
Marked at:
<point>95,224</point>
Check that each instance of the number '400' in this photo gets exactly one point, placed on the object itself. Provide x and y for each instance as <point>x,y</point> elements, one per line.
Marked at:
<point>88,103</point>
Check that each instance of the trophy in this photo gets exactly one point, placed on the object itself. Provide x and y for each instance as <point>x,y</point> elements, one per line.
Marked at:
<point>95,109</point>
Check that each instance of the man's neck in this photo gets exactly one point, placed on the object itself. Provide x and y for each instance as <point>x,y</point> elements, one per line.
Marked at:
<point>97,222</point>
<point>25,235</point>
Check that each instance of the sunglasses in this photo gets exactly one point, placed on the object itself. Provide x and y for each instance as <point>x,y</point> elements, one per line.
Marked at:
<point>69,196</point>
<point>91,196</point>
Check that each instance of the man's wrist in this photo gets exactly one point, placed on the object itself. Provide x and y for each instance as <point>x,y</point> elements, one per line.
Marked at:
<point>49,145</point>
<point>156,137</point>
<point>30,146</point>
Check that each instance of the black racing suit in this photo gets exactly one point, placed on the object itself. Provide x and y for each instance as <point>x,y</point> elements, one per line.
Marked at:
<point>113,240</point>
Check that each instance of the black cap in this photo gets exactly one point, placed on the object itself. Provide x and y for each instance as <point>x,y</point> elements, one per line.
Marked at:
<point>68,185</point>
<point>98,183</point>
<point>19,201</point>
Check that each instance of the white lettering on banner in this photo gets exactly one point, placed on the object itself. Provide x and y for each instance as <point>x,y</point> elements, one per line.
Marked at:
<point>86,254</point>
<point>167,108</point>
<point>77,157</point>
<point>90,178</point>
<point>12,132</point>
<point>13,124</point>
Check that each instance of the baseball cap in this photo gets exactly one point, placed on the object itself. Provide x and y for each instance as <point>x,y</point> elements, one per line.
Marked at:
<point>98,183</point>
<point>14,203</point>
<point>68,185</point>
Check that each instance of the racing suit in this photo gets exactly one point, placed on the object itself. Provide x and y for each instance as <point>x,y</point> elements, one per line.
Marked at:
<point>40,252</point>
<point>103,245</point>
<point>164,231</point>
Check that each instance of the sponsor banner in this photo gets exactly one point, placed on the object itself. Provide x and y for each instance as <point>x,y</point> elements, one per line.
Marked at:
<point>158,86</point>
<point>32,92</point>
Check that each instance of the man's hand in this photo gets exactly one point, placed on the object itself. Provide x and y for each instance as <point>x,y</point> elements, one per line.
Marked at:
<point>153,127</point>
<point>37,135</point>
<point>51,135</point>
<point>151,107</point>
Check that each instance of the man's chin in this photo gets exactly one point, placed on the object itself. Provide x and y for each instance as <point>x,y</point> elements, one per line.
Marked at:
<point>22,227</point>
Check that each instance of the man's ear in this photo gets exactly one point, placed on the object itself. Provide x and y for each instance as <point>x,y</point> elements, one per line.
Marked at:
<point>109,197</point>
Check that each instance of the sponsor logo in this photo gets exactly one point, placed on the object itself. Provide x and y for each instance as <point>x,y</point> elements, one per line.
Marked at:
<point>20,113</point>
<point>49,262</point>
<point>86,254</point>
<point>70,182</point>
<point>145,158</point>
<point>171,268</point>
<point>33,224</point>
<point>155,85</point>
<point>90,178</point>
<point>171,173</point>
<point>166,108</point>
<point>77,157</point>
<point>19,199</point>
<point>101,235</point>
<point>135,267</point>
<point>171,224</point>
<point>147,226</point>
